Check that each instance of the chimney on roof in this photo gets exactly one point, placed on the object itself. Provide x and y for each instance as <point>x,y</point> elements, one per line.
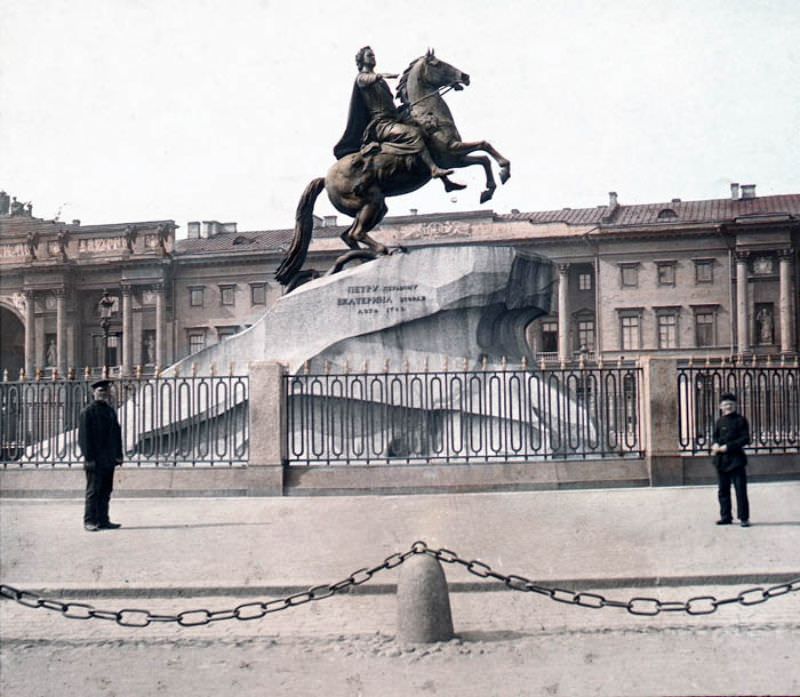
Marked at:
<point>193,230</point>
<point>209,228</point>
<point>748,191</point>
<point>329,221</point>
<point>734,191</point>
<point>76,222</point>
<point>413,211</point>
<point>613,208</point>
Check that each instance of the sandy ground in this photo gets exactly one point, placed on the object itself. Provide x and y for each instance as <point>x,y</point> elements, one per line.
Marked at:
<point>187,554</point>
<point>668,662</point>
<point>507,644</point>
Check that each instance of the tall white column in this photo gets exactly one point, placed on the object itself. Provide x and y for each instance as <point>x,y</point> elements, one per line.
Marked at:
<point>127,331</point>
<point>161,334</point>
<point>61,330</point>
<point>30,344</point>
<point>786,301</point>
<point>742,303</point>
<point>563,312</point>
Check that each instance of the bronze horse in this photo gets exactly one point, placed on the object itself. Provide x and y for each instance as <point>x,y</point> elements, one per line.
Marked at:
<point>359,183</point>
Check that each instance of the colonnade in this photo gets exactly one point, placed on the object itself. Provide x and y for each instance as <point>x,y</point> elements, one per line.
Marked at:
<point>65,349</point>
<point>786,303</point>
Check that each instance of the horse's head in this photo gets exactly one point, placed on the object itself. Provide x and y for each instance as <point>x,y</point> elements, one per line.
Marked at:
<point>436,73</point>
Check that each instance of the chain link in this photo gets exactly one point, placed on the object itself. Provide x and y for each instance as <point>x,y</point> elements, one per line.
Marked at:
<point>649,607</point>
<point>641,606</point>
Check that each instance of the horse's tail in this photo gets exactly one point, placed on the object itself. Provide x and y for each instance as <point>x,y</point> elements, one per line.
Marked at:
<point>303,227</point>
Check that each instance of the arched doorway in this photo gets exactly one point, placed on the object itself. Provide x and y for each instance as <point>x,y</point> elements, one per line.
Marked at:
<point>12,343</point>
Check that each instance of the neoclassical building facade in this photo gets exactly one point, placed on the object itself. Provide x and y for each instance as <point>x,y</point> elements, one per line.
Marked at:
<point>681,279</point>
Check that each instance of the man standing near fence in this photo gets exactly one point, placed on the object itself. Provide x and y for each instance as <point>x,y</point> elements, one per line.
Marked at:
<point>100,440</point>
<point>731,434</point>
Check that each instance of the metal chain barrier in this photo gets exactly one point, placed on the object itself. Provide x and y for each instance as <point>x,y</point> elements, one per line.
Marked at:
<point>698,605</point>
<point>642,606</point>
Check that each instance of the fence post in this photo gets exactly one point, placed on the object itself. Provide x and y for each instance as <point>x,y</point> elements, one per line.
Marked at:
<point>660,410</point>
<point>267,409</point>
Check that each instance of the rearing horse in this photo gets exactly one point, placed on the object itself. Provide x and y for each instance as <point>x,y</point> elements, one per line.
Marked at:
<point>359,183</point>
<point>423,102</point>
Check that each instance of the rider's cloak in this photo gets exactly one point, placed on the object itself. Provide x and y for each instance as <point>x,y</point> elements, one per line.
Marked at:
<point>358,118</point>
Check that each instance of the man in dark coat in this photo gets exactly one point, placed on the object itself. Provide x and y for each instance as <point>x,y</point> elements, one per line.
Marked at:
<point>731,434</point>
<point>100,440</point>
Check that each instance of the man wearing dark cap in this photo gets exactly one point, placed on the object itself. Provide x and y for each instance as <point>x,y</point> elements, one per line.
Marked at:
<point>731,434</point>
<point>100,440</point>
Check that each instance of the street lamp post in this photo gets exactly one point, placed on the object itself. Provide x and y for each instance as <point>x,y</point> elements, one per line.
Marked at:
<point>106,307</point>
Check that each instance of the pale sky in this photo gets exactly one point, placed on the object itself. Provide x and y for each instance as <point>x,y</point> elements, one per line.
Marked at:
<point>124,110</point>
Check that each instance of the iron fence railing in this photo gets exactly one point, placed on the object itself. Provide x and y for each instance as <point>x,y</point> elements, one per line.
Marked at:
<point>767,395</point>
<point>463,416</point>
<point>165,421</point>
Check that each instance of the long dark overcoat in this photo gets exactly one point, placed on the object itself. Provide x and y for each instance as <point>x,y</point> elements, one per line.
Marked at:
<point>733,431</point>
<point>99,435</point>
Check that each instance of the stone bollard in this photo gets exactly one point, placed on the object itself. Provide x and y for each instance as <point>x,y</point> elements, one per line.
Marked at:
<point>423,605</point>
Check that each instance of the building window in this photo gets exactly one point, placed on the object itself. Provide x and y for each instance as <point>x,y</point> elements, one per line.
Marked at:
<point>764,324</point>
<point>197,341</point>
<point>586,334</point>
<point>704,271</point>
<point>196,296</point>
<point>667,330</point>
<point>227,295</point>
<point>666,273</point>
<point>258,293</point>
<point>549,337</point>
<point>226,332</point>
<point>584,281</point>
<point>113,348</point>
<point>630,332</point>
<point>704,329</point>
<point>629,275</point>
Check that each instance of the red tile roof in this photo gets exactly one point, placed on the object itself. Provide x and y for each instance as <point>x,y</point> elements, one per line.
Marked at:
<point>685,212</point>
<point>233,242</point>
<point>711,211</point>
<point>21,225</point>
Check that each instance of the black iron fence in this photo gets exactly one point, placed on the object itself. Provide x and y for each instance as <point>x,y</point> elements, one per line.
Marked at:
<point>166,421</point>
<point>463,416</point>
<point>768,396</point>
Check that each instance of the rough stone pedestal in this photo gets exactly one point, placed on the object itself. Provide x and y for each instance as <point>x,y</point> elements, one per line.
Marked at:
<point>423,605</point>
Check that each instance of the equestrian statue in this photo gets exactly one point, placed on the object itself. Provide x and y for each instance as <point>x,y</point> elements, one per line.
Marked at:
<point>390,151</point>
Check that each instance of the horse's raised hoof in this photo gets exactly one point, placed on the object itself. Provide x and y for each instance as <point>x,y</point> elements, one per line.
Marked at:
<point>450,185</point>
<point>505,174</point>
<point>487,195</point>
